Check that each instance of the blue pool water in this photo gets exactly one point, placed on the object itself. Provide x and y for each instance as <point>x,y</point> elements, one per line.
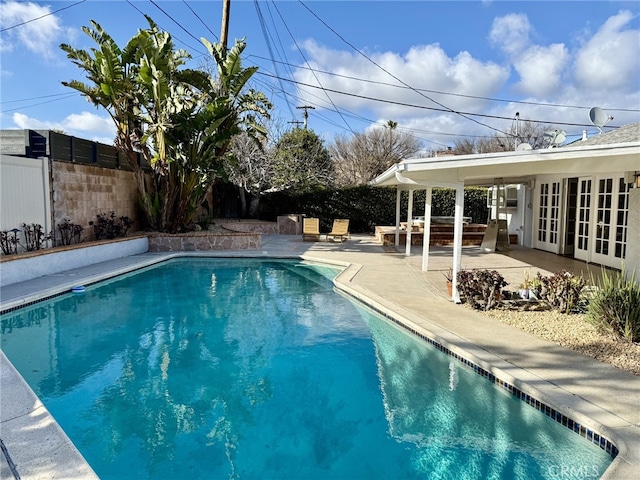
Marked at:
<point>242,369</point>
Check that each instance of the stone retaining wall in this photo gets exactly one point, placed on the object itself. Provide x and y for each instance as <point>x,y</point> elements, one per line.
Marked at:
<point>204,241</point>
<point>267,228</point>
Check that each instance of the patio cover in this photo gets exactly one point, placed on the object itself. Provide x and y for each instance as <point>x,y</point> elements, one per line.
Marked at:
<point>458,171</point>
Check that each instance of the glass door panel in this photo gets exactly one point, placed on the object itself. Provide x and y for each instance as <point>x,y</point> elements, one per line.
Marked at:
<point>549,195</point>
<point>583,216</point>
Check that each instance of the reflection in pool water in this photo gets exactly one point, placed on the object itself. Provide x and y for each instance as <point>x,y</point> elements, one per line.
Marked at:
<point>213,368</point>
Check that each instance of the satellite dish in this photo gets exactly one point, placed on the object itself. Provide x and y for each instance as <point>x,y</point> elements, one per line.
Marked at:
<point>599,117</point>
<point>523,146</point>
<point>555,137</point>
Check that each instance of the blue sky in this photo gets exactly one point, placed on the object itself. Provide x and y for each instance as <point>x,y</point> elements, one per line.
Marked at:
<point>358,63</point>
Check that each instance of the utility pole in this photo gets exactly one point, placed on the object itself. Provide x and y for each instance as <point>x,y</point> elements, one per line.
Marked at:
<point>297,123</point>
<point>306,113</point>
<point>224,31</point>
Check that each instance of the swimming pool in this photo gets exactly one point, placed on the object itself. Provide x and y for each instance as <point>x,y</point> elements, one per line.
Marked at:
<point>212,368</point>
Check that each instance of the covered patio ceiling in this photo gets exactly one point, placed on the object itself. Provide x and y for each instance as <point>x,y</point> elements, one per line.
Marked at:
<point>512,167</point>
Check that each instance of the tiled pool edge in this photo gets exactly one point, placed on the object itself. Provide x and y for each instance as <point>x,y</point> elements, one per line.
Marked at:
<point>612,447</point>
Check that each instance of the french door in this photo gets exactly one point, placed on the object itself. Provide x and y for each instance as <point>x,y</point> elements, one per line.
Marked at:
<point>548,216</point>
<point>601,220</point>
<point>583,219</point>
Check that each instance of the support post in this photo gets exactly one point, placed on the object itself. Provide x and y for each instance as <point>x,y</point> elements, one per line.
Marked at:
<point>409,224</point>
<point>426,236</point>
<point>398,196</point>
<point>457,240</point>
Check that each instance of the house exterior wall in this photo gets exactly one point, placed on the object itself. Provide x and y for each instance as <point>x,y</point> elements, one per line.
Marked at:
<point>527,215</point>
<point>601,204</point>
<point>80,192</point>
<point>632,261</point>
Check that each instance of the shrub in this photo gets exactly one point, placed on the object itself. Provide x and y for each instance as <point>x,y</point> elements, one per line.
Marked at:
<point>107,227</point>
<point>615,306</point>
<point>69,232</point>
<point>204,221</point>
<point>480,288</point>
<point>367,206</point>
<point>34,236</point>
<point>561,291</point>
<point>9,241</point>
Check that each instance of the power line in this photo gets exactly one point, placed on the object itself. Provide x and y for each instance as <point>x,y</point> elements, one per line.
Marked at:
<point>461,95</point>
<point>423,107</point>
<point>282,52</point>
<point>172,36</point>
<point>307,62</point>
<point>42,16</point>
<point>201,21</point>
<point>35,98</point>
<point>175,21</point>
<point>395,77</point>
<point>40,103</point>
<point>275,64</point>
<point>360,118</point>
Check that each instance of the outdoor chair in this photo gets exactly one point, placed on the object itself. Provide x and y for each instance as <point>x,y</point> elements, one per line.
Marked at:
<point>339,230</point>
<point>310,229</point>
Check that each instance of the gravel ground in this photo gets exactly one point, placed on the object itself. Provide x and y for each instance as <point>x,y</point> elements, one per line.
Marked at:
<point>574,332</point>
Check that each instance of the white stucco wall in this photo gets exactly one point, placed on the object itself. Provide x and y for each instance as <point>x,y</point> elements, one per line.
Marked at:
<point>632,260</point>
<point>23,269</point>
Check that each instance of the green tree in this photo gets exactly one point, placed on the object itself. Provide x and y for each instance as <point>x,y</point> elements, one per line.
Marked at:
<point>180,120</point>
<point>203,136</point>
<point>111,74</point>
<point>302,161</point>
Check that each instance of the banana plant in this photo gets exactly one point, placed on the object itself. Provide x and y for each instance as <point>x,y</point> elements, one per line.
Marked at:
<point>181,121</point>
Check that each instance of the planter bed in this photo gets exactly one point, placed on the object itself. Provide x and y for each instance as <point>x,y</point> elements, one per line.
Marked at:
<point>29,265</point>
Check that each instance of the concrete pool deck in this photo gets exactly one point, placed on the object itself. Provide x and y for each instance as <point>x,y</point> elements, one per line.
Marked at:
<point>603,398</point>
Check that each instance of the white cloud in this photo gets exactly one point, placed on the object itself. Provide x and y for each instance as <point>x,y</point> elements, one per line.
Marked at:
<point>423,67</point>
<point>540,69</point>
<point>87,121</point>
<point>41,36</point>
<point>83,125</point>
<point>572,68</point>
<point>23,121</point>
<point>511,33</point>
<point>610,60</point>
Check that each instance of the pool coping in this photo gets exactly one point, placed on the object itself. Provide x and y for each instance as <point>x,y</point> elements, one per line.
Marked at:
<point>623,434</point>
<point>626,446</point>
